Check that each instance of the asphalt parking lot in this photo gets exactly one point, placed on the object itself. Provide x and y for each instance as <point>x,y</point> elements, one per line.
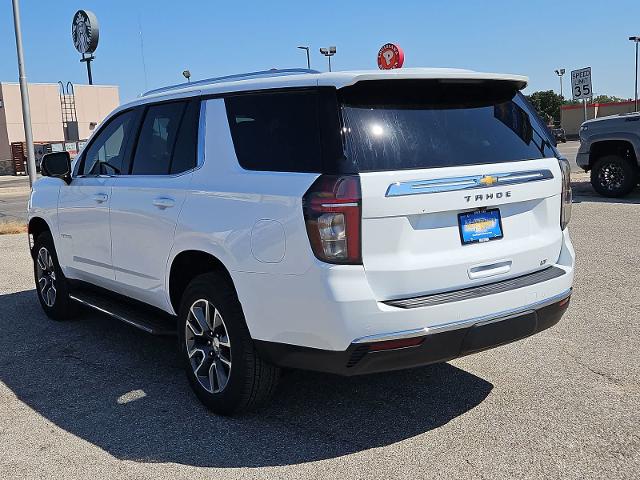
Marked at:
<point>14,194</point>
<point>570,150</point>
<point>93,398</point>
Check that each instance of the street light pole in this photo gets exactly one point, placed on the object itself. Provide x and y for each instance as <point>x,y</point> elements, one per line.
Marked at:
<point>328,52</point>
<point>24,94</point>
<point>308,58</point>
<point>560,73</point>
<point>636,39</point>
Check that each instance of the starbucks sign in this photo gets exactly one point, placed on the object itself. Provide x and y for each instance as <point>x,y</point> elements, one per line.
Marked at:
<point>85,31</point>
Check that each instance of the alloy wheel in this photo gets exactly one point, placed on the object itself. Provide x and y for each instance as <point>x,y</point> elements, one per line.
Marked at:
<point>611,176</point>
<point>46,275</point>
<point>208,346</point>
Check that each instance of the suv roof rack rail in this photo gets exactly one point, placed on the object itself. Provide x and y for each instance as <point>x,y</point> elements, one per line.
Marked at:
<point>240,76</point>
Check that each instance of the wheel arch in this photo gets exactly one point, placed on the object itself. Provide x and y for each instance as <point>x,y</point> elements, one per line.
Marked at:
<point>187,265</point>
<point>37,226</point>
<point>624,147</point>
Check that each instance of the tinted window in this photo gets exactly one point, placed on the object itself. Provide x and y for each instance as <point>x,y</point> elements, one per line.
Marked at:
<point>185,151</point>
<point>107,154</point>
<point>276,131</point>
<point>431,124</point>
<point>157,138</point>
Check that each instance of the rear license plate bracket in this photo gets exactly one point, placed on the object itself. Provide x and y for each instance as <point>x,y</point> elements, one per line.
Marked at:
<point>480,226</point>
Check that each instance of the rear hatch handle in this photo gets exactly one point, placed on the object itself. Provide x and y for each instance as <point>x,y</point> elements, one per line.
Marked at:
<point>489,270</point>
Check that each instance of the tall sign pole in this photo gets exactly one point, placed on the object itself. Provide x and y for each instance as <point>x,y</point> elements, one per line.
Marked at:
<point>24,94</point>
<point>636,39</point>
<point>636,74</point>
<point>85,34</point>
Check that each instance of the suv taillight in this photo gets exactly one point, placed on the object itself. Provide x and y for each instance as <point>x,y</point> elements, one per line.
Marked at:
<point>332,213</point>
<point>567,196</point>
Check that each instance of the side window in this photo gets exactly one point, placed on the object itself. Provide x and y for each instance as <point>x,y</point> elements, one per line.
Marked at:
<point>542,132</point>
<point>276,131</point>
<point>107,153</point>
<point>185,151</point>
<point>157,139</point>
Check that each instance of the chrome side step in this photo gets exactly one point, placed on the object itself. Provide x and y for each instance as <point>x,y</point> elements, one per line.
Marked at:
<point>133,315</point>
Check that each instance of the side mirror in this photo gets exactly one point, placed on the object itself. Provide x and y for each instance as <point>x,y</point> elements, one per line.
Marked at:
<point>58,165</point>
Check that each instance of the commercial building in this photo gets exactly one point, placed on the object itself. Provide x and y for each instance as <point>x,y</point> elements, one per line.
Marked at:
<point>61,116</point>
<point>572,116</point>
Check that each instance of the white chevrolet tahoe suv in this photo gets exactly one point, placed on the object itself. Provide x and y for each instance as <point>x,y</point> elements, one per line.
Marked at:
<point>345,222</point>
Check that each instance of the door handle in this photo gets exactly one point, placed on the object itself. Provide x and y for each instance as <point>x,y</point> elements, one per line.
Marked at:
<point>164,202</point>
<point>100,197</point>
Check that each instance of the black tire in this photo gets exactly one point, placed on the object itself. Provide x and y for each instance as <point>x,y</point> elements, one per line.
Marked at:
<point>613,176</point>
<point>52,286</point>
<point>250,381</point>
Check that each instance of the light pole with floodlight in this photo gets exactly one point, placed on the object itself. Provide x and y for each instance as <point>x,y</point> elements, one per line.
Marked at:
<point>560,73</point>
<point>328,52</point>
<point>636,39</point>
<point>308,58</point>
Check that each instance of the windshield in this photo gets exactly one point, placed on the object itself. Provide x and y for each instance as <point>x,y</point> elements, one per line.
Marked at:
<point>430,124</point>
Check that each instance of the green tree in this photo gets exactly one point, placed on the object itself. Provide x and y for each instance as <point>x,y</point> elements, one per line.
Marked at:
<point>547,104</point>
<point>607,99</point>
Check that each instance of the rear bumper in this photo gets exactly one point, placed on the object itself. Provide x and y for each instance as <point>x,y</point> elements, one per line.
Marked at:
<point>363,357</point>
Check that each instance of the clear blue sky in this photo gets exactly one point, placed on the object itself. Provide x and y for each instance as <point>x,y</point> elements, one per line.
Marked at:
<point>214,38</point>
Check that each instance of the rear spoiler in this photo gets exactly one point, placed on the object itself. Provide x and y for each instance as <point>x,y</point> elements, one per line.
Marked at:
<point>340,80</point>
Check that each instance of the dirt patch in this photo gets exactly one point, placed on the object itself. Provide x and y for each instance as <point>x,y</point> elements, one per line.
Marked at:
<point>7,228</point>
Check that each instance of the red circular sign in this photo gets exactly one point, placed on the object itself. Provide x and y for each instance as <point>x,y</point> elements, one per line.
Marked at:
<point>390,56</point>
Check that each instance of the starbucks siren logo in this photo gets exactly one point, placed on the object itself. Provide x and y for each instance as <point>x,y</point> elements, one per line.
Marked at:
<point>85,31</point>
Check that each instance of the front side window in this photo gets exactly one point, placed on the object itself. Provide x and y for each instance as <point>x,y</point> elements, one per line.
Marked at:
<point>157,139</point>
<point>107,154</point>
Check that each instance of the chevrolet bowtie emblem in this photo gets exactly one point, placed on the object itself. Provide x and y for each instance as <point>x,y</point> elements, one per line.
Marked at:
<point>488,180</point>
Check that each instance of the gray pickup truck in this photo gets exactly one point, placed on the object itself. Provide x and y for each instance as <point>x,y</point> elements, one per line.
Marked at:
<point>610,148</point>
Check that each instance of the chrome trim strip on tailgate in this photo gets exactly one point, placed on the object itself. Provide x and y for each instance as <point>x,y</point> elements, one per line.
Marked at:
<point>446,327</point>
<point>480,291</point>
<point>451,184</point>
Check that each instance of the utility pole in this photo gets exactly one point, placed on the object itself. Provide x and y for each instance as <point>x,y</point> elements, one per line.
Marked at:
<point>24,94</point>
<point>308,58</point>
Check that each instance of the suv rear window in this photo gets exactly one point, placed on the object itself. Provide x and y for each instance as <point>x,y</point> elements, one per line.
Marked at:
<point>407,124</point>
<point>385,125</point>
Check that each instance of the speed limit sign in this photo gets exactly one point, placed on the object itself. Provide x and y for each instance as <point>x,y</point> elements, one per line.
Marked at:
<point>581,84</point>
